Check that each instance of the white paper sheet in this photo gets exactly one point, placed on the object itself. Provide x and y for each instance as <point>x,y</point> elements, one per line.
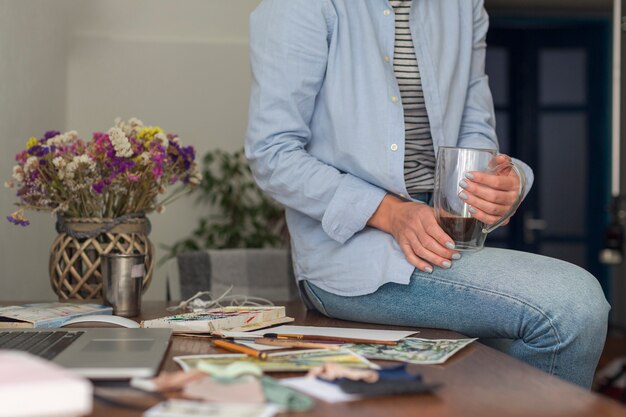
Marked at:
<point>325,391</point>
<point>352,333</point>
<point>240,335</point>
<point>258,346</point>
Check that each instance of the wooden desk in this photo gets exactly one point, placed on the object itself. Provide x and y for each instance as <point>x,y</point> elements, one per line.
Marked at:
<point>478,381</point>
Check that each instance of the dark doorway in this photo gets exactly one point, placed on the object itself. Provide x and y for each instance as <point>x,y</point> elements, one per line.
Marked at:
<point>550,80</point>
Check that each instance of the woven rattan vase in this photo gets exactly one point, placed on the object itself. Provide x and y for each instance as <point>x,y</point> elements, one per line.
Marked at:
<point>75,255</point>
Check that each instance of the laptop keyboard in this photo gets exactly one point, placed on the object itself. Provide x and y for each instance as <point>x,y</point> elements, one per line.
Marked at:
<point>46,344</point>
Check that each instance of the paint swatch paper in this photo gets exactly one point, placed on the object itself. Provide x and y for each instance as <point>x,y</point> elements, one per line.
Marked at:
<point>300,361</point>
<point>185,408</point>
<point>244,390</point>
<point>413,350</point>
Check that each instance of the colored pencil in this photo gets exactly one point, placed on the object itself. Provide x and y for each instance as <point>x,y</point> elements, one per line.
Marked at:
<point>235,347</point>
<point>314,338</point>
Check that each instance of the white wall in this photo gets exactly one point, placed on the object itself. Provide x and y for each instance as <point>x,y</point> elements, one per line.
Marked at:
<point>182,65</point>
<point>33,57</point>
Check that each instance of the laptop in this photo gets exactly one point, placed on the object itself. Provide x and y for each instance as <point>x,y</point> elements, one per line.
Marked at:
<point>96,353</point>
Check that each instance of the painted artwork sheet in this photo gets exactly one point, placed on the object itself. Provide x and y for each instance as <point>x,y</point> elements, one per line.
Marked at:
<point>300,361</point>
<point>413,350</point>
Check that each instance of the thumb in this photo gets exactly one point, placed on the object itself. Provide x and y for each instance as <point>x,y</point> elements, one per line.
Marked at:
<point>501,164</point>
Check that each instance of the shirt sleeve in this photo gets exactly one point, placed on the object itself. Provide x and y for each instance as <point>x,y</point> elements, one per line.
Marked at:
<point>478,124</point>
<point>288,56</point>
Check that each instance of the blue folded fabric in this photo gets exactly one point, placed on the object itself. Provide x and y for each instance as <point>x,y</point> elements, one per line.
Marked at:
<point>394,380</point>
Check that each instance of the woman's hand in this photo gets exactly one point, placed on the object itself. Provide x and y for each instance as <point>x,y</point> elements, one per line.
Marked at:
<point>416,230</point>
<point>491,195</point>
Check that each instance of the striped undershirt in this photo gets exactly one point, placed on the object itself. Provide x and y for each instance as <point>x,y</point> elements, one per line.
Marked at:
<point>419,157</point>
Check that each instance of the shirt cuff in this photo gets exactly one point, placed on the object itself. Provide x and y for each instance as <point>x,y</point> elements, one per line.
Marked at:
<point>353,204</point>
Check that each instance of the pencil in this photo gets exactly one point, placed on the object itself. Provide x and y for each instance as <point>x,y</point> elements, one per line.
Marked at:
<point>312,338</point>
<point>295,343</point>
<point>235,347</point>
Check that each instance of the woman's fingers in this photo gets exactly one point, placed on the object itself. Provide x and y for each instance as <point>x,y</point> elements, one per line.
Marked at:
<point>490,196</point>
<point>433,244</point>
<point>486,206</point>
<point>433,252</point>
<point>506,183</point>
<point>415,260</point>
<point>423,241</point>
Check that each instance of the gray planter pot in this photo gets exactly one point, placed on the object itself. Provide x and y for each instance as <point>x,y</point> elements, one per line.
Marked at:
<point>265,273</point>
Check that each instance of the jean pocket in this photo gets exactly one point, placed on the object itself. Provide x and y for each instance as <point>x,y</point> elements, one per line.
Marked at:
<point>314,298</point>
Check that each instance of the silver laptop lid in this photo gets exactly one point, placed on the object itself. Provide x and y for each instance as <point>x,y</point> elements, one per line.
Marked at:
<point>116,353</point>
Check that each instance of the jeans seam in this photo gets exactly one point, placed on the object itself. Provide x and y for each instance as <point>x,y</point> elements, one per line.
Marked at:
<point>527,304</point>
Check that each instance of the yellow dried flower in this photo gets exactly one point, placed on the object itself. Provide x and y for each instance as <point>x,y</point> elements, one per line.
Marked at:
<point>148,133</point>
<point>31,142</point>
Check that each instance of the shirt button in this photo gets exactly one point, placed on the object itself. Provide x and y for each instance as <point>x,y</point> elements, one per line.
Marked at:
<point>394,99</point>
<point>394,147</point>
<point>386,58</point>
<point>386,12</point>
<point>402,195</point>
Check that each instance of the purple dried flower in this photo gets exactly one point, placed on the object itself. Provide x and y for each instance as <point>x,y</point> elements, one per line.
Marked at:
<point>121,165</point>
<point>18,219</point>
<point>98,187</point>
<point>38,150</point>
<point>188,155</point>
<point>21,157</point>
<point>157,171</point>
<point>154,163</point>
<point>49,135</point>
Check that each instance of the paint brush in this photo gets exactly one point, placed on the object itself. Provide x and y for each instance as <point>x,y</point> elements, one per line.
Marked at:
<point>295,343</point>
<point>317,338</point>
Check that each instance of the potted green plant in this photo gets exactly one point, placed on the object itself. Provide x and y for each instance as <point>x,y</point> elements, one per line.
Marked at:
<point>239,214</point>
<point>243,233</point>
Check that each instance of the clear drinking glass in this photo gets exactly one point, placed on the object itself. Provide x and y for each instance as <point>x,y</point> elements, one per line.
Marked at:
<point>451,211</point>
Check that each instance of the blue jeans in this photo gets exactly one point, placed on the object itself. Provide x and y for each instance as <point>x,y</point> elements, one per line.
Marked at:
<point>546,312</point>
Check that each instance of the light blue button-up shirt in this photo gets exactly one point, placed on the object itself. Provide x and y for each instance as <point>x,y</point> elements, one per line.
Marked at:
<point>326,129</point>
